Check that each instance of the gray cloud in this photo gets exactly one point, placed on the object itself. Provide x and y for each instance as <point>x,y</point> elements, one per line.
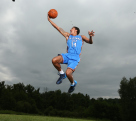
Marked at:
<point>29,42</point>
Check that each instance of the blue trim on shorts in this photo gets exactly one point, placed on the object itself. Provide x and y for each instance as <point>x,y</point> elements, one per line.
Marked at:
<point>71,60</point>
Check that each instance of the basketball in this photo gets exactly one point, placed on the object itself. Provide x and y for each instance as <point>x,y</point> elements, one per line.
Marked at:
<point>53,13</point>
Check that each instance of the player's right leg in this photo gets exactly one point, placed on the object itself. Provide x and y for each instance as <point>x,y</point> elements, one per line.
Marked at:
<point>56,62</point>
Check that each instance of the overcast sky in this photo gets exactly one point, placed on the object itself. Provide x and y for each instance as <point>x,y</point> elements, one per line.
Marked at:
<point>28,43</point>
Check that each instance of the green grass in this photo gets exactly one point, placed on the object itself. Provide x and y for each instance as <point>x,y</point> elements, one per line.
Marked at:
<point>9,117</point>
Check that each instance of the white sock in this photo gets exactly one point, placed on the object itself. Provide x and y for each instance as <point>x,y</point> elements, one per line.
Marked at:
<point>73,83</point>
<point>61,72</point>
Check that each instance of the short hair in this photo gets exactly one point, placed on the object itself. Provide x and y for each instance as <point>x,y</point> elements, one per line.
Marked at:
<point>78,30</point>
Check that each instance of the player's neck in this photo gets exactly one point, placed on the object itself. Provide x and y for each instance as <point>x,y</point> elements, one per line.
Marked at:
<point>74,34</point>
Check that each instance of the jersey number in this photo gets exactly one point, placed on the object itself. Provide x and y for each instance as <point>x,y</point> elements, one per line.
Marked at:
<point>73,44</point>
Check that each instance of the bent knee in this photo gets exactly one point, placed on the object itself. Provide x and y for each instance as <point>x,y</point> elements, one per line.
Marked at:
<point>57,59</point>
<point>53,60</point>
<point>69,72</point>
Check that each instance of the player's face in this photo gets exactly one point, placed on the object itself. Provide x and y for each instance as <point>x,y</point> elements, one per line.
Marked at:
<point>73,31</point>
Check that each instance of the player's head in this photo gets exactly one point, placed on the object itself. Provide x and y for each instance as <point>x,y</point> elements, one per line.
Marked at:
<point>75,30</point>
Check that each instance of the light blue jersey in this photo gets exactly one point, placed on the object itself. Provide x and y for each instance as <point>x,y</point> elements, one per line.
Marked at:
<point>72,58</point>
<point>74,44</point>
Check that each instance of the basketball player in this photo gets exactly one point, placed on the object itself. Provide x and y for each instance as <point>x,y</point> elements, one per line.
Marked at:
<point>72,57</point>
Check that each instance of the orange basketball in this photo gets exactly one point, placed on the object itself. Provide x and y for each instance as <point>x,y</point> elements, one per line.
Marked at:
<point>53,13</point>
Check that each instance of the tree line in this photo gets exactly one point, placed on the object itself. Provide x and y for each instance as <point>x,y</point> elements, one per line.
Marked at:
<point>25,98</point>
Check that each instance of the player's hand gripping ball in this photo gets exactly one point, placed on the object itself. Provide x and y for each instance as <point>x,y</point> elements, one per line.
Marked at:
<point>53,13</point>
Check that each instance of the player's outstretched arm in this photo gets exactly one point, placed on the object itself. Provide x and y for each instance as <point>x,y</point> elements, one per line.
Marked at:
<point>65,34</point>
<point>90,39</point>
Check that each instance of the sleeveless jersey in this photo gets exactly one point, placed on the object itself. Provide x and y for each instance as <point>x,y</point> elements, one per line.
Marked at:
<point>74,44</point>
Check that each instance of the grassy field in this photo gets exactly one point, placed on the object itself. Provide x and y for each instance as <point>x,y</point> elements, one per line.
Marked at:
<point>9,117</point>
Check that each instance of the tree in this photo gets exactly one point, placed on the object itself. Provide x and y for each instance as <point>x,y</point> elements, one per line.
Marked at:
<point>127,94</point>
<point>2,86</point>
<point>27,99</point>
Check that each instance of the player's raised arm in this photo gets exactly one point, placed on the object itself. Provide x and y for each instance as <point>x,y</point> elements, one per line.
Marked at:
<point>65,34</point>
<point>90,39</point>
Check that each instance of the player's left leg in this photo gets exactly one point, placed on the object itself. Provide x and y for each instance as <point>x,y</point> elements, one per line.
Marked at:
<point>72,64</point>
<point>69,72</point>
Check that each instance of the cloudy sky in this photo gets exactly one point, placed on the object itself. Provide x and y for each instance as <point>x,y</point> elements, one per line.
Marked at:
<point>28,43</point>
